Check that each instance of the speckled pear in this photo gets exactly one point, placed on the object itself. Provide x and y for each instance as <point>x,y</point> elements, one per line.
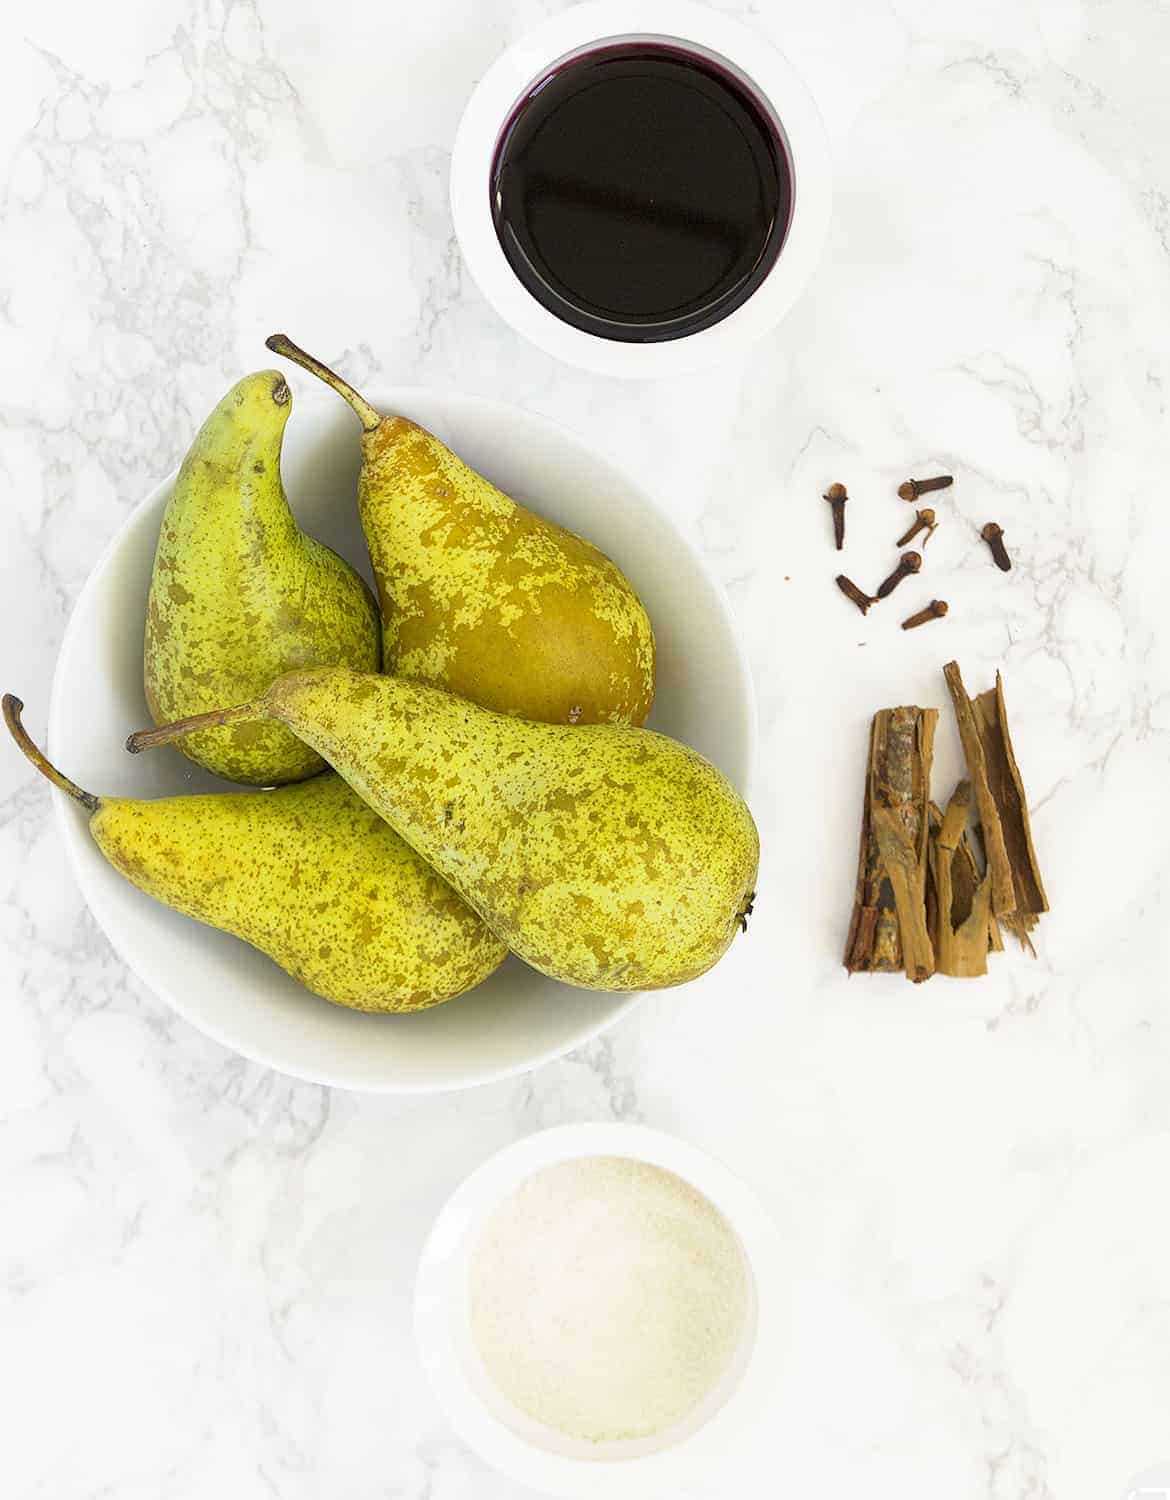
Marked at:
<point>308,874</point>
<point>483,597</point>
<point>604,855</point>
<point>240,594</point>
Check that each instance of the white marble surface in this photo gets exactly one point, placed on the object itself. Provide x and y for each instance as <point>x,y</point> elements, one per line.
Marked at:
<point>206,1267</point>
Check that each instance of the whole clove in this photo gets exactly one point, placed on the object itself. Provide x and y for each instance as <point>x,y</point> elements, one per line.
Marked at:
<point>837,495</point>
<point>935,610</point>
<point>915,487</point>
<point>992,534</point>
<point>852,592</point>
<point>923,521</point>
<point>908,563</point>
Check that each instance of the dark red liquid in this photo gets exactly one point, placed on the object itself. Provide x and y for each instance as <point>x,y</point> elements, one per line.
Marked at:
<point>641,192</point>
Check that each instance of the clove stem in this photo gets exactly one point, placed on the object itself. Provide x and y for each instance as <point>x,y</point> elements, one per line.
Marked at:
<point>853,593</point>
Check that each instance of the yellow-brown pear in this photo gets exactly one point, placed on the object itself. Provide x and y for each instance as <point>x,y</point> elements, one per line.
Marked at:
<point>604,855</point>
<point>483,597</point>
<point>306,873</point>
<point>239,594</point>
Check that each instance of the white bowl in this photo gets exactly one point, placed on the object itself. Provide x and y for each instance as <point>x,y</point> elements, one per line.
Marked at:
<point>442,1325</point>
<point>516,1019</point>
<point>743,51</point>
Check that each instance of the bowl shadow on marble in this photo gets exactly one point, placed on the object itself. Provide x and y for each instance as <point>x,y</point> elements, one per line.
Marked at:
<point>516,1019</point>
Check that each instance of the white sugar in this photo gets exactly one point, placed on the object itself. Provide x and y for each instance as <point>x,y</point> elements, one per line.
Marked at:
<point>607,1298</point>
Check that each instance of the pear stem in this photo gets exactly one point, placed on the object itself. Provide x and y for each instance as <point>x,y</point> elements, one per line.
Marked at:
<point>13,708</point>
<point>177,729</point>
<point>280,343</point>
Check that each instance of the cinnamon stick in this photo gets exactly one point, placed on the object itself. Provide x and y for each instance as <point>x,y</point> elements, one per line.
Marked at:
<point>1007,789</point>
<point>1003,894</point>
<point>966,878</point>
<point>923,901</point>
<point>963,920</point>
<point>888,930</point>
<point>1018,897</point>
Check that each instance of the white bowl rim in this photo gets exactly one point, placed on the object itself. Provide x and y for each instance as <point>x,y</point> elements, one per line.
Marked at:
<point>75,837</point>
<point>594,21</point>
<point>444,1257</point>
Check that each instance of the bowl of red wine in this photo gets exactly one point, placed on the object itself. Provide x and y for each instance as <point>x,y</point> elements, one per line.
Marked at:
<point>641,187</point>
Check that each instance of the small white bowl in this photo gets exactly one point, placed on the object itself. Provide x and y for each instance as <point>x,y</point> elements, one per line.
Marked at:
<point>461,1387</point>
<point>744,52</point>
<point>516,1019</point>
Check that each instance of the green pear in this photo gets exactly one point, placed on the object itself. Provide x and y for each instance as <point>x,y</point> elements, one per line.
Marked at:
<point>483,597</point>
<point>604,855</point>
<point>308,874</point>
<point>240,594</point>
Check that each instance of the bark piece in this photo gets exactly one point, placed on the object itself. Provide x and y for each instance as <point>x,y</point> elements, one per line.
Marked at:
<point>1007,788</point>
<point>888,930</point>
<point>1003,894</point>
<point>1018,898</point>
<point>967,877</point>
<point>963,920</point>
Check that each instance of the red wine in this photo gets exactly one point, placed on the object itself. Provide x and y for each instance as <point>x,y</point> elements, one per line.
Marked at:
<point>641,192</point>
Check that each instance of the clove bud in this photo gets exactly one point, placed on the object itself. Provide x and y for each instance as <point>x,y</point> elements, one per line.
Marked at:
<point>933,611</point>
<point>836,496</point>
<point>992,534</point>
<point>915,487</point>
<point>908,563</point>
<point>923,521</point>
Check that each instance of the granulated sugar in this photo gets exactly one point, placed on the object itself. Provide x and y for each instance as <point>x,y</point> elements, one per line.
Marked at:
<point>607,1298</point>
